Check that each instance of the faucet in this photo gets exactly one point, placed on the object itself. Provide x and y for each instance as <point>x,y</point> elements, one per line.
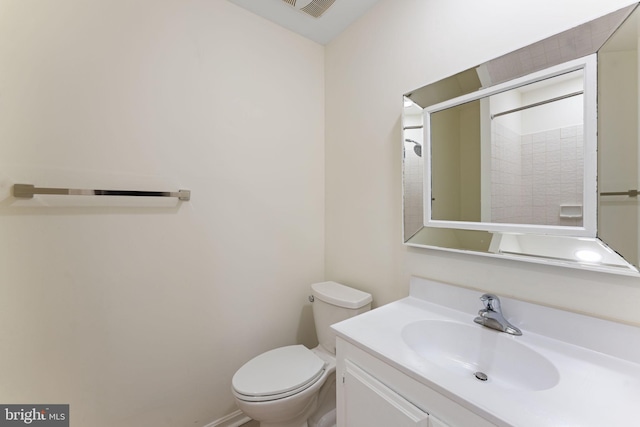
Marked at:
<point>491,316</point>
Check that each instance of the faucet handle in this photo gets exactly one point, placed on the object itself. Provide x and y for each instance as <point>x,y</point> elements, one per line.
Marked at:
<point>491,302</point>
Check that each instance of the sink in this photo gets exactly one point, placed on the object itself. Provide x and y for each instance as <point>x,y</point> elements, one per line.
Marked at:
<point>469,349</point>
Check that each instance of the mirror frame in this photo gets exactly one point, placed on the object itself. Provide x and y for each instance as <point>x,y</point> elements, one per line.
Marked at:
<point>588,229</point>
<point>504,71</point>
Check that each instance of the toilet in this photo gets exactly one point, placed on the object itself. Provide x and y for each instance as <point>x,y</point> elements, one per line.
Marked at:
<point>294,386</point>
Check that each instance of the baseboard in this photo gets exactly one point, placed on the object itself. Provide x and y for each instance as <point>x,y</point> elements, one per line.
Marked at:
<point>235,419</point>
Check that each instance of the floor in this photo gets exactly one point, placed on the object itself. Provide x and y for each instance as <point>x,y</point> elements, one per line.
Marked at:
<point>251,424</point>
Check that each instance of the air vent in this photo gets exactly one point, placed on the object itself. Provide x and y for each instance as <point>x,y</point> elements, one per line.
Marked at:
<point>314,8</point>
<point>317,7</point>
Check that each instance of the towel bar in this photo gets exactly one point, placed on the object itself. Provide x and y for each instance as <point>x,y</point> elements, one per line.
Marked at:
<point>629,193</point>
<point>28,191</point>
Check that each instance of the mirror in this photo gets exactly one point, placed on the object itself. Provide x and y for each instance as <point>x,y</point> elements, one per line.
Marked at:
<point>500,160</point>
<point>513,155</point>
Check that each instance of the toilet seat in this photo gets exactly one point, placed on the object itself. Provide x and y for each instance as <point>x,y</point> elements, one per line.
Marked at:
<point>277,374</point>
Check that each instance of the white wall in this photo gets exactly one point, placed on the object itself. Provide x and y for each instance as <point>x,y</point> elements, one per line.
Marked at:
<point>395,48</point>
<point>138,313</point>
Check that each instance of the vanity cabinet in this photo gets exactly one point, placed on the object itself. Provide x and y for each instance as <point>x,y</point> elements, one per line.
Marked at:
<point>372,393</point>
<point>368,402</point>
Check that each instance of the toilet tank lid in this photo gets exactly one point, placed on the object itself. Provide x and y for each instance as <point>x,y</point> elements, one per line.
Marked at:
<point>340,295</point>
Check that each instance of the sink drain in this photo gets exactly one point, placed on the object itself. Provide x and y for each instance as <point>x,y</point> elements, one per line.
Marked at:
<point>481,376</point>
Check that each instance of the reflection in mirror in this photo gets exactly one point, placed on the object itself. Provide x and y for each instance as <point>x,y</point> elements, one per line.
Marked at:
<point>512,157</point>
<point>413,169</point>
<point>516,157</point>
<point>497,180</point>
<point>454,145</point>
<point>537,153</point>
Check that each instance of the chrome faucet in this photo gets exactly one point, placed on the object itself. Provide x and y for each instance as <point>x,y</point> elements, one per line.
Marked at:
<point>491,316</point>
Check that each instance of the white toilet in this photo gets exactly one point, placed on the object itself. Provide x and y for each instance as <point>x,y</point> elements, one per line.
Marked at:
<point>293,386</point>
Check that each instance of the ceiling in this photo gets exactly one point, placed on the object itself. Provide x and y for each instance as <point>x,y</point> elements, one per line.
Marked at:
<point>329,25</point>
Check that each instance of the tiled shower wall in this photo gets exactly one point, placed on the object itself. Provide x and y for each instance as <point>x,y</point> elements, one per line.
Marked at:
<point>533,175</point>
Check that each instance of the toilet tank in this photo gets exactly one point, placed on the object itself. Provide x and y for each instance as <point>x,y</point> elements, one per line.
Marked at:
<point>333,303</point>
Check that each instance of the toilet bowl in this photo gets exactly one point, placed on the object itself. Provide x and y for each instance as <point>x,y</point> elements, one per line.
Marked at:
<point>294,386</point>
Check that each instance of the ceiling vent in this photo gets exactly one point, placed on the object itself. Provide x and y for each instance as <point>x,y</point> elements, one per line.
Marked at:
<point>313,8</point>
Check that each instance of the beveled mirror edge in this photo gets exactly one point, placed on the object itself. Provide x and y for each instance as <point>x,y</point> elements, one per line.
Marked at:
<point>628,270</point>
<point>529,59</point>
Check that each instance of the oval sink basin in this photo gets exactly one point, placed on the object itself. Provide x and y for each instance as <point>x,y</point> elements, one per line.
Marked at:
<point>467,349</point>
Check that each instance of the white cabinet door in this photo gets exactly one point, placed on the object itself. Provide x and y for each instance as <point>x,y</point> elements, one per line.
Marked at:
<point>369,403</point>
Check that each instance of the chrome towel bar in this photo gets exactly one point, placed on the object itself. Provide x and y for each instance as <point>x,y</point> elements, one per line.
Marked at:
<point>28,191</point>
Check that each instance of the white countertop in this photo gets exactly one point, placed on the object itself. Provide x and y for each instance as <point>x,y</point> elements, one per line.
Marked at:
<point>598,361</point>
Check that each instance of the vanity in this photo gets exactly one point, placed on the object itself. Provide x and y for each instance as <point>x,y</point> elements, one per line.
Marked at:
<point>423,361</point>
